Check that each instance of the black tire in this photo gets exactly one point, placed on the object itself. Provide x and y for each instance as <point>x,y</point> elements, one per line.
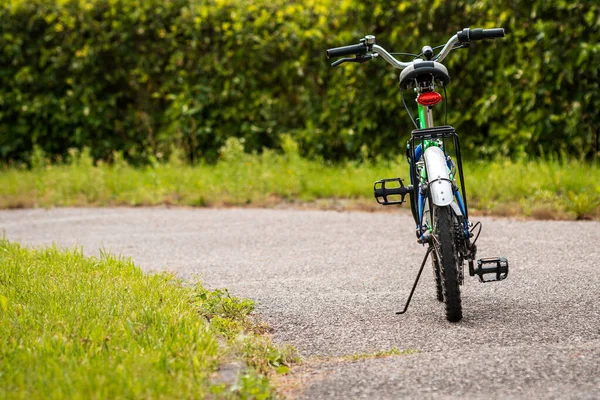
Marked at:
<point>443,230</point>
<point>437,277</point>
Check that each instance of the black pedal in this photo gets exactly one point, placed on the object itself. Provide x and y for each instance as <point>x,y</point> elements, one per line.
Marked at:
<point>390,191</point>
<point>491,269</point>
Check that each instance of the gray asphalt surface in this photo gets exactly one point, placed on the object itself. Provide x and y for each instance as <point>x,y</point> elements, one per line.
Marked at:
<point>330,282</point>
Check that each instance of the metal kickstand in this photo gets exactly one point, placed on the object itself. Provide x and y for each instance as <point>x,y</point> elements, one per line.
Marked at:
<point>429,250</point>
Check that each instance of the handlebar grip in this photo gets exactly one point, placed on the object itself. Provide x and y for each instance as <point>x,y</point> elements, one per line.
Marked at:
<point>493,33</point>
<point>468,35</point>
<point>360,48</point>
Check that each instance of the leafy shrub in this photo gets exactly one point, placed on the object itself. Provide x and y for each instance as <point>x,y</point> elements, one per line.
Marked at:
<point>142,77</point>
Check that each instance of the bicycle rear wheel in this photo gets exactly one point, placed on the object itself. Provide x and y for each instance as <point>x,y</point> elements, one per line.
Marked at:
<point>439,293</point>
<point>443,231</point>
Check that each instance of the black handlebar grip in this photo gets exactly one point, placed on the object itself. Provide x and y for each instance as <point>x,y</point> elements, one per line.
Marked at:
<point>475,34</point>
<point>493,33</point>
<point>468,35</point>
<point>347,50</point>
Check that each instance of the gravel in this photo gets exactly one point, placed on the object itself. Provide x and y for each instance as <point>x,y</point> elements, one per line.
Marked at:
<point>330,282</point>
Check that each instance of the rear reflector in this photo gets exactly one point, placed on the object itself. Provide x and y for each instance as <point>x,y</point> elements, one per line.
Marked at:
<point>429,98</point>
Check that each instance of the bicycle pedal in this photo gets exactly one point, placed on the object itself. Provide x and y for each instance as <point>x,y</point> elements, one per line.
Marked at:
<point>491,269</point>
<point>386,195</point>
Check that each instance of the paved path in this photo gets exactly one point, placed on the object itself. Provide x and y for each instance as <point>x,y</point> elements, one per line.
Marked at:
<point>330,282</point>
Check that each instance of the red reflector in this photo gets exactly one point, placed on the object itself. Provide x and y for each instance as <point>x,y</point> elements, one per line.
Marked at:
<point>429,98</point>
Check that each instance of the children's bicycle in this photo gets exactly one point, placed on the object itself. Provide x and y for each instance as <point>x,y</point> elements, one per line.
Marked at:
<point>438,199</point>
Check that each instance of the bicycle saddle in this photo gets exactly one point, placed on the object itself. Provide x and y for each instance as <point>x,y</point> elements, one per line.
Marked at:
<point>423,69</point>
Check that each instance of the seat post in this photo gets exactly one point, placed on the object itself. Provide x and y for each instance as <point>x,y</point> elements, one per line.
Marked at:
<point>428,117</point>
<point>425,117</point>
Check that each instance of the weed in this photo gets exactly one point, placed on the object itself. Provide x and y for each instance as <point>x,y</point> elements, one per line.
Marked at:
<point>380,354</point>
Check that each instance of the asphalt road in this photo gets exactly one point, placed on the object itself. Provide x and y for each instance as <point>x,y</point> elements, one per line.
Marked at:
<point>330,282</point>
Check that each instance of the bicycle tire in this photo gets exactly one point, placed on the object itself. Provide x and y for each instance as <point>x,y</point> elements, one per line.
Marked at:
<point>446,248</point>
<point>439,294</point>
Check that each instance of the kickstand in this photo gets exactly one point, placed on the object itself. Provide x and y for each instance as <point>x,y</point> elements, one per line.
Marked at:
<point>416,281</point>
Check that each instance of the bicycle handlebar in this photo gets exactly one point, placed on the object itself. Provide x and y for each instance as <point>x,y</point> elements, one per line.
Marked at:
<point>465,36</point>
<point>358,49</point>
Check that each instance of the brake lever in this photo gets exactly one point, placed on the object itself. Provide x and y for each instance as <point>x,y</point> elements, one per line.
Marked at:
<point>358,59</point>
<point>341,61</point>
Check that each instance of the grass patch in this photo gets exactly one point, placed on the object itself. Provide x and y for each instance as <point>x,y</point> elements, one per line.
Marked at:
<point>379,354</point>
<point>543,189</point>
<point>548,189</point>
<point>86,327</point>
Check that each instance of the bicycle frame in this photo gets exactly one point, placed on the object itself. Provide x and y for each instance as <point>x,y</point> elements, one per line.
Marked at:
<point>421,139</point>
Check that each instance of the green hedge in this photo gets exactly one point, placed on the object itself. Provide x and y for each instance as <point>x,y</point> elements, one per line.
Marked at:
<point>145,76</point>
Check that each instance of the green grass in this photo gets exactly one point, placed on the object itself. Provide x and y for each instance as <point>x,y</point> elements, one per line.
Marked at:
<point>544,189</point>
<point>73,327</point>
<point>394,351</point>
<point>559,189</point>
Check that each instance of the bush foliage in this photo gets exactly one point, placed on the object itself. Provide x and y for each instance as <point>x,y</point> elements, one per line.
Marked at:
<point>148,76</point>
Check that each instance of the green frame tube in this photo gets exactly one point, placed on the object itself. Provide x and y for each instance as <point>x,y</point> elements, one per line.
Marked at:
<point>421,116</point>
